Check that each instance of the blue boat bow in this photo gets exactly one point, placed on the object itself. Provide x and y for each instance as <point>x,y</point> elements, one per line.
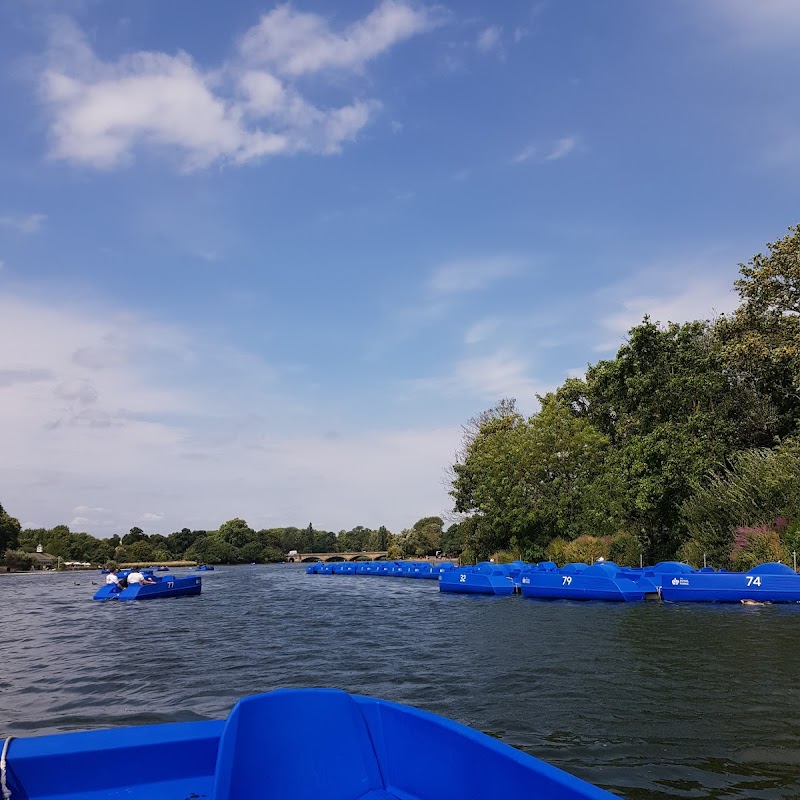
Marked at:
<point>292,744</point>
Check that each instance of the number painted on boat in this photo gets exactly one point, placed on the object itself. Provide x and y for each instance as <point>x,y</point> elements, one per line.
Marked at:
<point>462,579</point>
<point>754,581</point>
<point>566,580</point>
<point>170,584</point>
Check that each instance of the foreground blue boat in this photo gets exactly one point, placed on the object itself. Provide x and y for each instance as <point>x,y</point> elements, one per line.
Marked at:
<point>767,583</point>
<point>295,744</point>
<point>164,586</point>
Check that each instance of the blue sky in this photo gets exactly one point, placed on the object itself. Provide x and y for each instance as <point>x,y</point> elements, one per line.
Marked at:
<point>266,260</point>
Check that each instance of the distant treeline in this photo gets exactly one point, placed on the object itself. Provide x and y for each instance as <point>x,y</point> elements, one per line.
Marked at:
<point>233,543</point>
<point>685,444</point>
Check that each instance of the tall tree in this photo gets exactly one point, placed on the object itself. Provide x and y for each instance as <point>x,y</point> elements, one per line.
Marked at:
<point>9,531</point>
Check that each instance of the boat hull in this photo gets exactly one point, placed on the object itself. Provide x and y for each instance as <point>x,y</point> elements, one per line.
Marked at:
<point>730,587</point>
<point>303,744</point>
<point>165,586</point>
<point>460,582</point>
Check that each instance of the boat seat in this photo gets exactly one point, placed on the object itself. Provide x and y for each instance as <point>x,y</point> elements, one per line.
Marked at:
<point>302,745</point>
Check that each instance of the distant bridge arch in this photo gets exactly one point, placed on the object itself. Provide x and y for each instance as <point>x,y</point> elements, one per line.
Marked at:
<point>307,558</point>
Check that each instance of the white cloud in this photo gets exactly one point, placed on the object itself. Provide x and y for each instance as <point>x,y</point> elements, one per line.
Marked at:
<point>294,43</point>
<point>179,430</point>
<point>539,154</point>
<point>480,331</point>
<point>665,295</point>
<point>102,111</point>
<point>23,223</point>
<point>469,275</point>
<point>489,39</point>
<point>563,147</point>
<point>488,379</point>
<point>526,154</point>
<point>762,23</point>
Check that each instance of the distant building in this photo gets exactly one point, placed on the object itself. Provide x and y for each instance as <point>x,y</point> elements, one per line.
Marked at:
<point>42,560</point>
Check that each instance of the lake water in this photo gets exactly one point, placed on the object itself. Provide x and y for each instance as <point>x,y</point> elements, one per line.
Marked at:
<point>647,700</point>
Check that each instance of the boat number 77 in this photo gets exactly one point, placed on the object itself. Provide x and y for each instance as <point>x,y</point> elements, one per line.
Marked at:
<point>566,580</point>
<point>754,581</point>
<point>170,584</point>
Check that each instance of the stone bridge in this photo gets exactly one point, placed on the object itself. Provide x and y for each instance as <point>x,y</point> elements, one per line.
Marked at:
<point>376,555</point>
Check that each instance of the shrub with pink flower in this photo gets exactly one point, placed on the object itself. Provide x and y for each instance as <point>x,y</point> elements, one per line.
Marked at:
<point>758,544</point>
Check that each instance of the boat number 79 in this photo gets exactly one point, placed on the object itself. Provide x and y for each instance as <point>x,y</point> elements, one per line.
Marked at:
<point>566,580</point>
<point>754,581</point>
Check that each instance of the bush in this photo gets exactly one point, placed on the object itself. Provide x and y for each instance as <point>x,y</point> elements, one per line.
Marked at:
<point>18,560</point>
<point>504,557</point>
<point>557,551</point>
<point>625,550</point>
<point>759,544</point>
<point>692,552</point>
<point>588,549</point>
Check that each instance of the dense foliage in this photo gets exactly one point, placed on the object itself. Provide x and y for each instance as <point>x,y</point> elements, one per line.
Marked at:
<point>682,445</point>
<point>235,542</point>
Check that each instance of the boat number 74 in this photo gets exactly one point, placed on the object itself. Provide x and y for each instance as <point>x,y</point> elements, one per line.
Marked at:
<point>754,581</point>
<point>566,580</point>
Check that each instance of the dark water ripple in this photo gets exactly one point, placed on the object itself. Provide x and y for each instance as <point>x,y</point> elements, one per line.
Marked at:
<point>650,701</point>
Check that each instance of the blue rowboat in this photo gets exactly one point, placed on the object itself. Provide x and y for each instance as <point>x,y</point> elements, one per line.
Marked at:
<point>293,744</point>
<point>599,582</point>
<point>477,580</point>
<point>204,568</point>
<point>767,583</point>
<point>164,586</point>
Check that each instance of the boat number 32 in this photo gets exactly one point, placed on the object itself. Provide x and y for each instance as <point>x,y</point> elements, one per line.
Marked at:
<point>462,578</point>
<point>754,581</point>
<point>566,580</point>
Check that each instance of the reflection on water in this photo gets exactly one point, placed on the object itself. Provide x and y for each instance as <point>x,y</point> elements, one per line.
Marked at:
<point>650,701</point>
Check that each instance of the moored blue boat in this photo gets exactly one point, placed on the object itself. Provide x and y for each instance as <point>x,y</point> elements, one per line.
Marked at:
<point>477,580</point>
<point>767,583</point>
<point>295,744</point>
<point>164,586</point>
<point>604,581</point>
<point>204,568</point>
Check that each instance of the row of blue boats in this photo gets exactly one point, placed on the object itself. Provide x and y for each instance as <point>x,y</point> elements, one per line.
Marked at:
<point>670,581</point>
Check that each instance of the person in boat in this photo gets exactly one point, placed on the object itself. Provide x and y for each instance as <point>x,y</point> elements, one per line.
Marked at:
<point>135,576</point>
<point>113,578</point>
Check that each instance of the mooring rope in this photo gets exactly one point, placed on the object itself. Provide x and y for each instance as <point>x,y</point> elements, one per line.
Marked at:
<point>3,784</point>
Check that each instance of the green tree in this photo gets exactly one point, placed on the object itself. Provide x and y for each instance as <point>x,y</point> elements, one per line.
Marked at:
<point>236,532</point>
<point>141,551</point>
<point>9,531</point>
<point>134,535</point>
<point>761,341</point>
<point>18,560</point>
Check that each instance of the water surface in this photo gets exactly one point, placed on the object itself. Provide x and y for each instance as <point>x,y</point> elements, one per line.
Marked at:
<point>647,700</point>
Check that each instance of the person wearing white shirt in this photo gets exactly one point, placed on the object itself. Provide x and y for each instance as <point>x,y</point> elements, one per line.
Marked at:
<point>134,577</point>
<point>113,578</point>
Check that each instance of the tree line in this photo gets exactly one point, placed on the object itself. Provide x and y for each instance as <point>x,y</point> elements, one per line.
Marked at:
<point>685,445</point>
<point>234,542</point>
